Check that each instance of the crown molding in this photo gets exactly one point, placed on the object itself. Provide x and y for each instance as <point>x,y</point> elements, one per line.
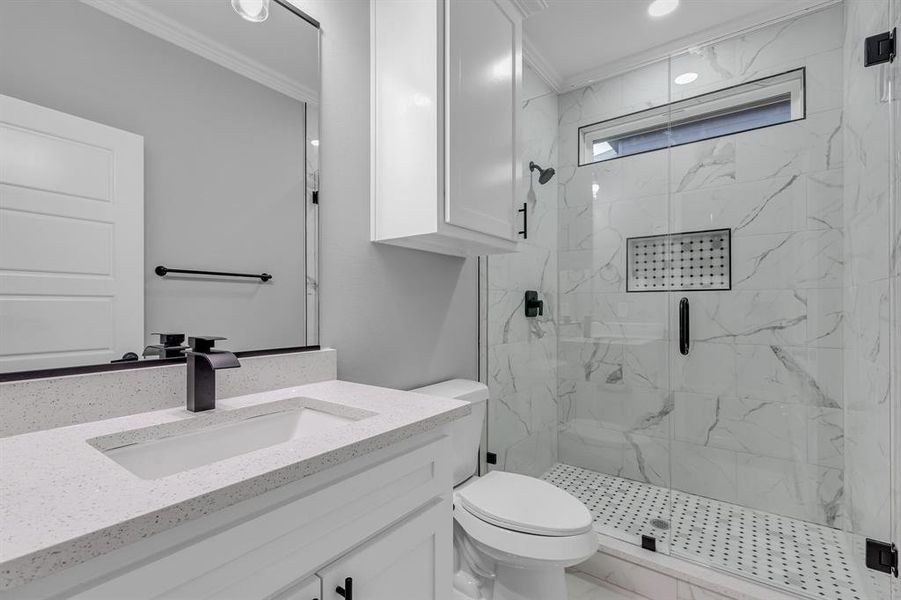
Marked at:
<point>145,18</point>
<point>709,36</point>
<point>533,57</point>
<point>527,8</point>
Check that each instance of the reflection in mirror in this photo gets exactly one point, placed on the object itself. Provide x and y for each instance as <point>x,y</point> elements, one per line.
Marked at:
<point>138,134</point>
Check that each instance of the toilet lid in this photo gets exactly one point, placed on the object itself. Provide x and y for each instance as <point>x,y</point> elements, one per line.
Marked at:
<point>525,504</point>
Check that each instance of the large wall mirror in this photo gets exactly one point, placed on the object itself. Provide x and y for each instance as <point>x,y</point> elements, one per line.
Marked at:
<point>158,174</point>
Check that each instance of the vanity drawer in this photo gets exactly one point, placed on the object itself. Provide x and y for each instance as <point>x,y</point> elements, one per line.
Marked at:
<point>270,551</point>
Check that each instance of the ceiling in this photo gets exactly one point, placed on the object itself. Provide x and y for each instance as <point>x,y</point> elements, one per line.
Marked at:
<point>573,42</point>
<point>281,52</point>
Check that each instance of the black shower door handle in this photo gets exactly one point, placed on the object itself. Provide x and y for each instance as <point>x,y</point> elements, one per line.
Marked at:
<point>684,326</point>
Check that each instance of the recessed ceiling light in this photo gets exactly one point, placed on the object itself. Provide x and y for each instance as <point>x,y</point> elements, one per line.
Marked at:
<point>658,8</point>
<point>685,78</point>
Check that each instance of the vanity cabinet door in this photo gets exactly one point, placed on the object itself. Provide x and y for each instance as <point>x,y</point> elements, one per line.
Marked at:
<point>412,560</point>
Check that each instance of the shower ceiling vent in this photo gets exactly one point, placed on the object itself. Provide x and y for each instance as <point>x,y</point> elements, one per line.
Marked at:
<point>694,260</point>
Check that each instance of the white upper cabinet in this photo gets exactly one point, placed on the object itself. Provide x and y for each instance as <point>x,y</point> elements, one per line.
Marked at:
<point>446,77</point>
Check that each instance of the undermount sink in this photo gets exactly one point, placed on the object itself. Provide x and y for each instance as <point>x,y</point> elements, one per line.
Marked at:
<point>159,451</point>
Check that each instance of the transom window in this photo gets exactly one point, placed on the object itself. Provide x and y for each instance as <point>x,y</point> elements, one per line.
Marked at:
<point>761,103</point>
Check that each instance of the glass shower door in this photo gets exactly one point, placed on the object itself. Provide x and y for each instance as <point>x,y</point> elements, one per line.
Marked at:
<point>893,77</point>
<point>781,427</point>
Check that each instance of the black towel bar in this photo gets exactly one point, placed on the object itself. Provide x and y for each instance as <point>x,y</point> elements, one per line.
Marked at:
<point>162,271</point>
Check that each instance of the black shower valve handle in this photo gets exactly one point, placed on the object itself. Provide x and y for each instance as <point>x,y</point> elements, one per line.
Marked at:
<point>534,306</point>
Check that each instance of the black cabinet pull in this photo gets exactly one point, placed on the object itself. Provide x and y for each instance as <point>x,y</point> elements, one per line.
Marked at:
<point>346,592</point>
<point>525,221</point>
<point>684,326</point>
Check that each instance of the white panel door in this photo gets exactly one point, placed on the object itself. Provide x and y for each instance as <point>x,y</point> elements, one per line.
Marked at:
<point>483,76</point>
<point>71,239</point>
<point>412,560</point>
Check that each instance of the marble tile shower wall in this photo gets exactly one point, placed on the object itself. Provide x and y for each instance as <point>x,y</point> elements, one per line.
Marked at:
<point>754,415</point>
<point>522,353</point>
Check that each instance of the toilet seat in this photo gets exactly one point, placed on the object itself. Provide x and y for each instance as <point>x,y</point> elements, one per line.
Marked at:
<point>524,504</point>
<point>525,549</point>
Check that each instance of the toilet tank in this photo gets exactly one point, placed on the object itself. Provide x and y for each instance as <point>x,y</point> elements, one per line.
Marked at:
<point>465,433</point>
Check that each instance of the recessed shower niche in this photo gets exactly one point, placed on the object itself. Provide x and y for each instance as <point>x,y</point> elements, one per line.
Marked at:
<point>696,260</point>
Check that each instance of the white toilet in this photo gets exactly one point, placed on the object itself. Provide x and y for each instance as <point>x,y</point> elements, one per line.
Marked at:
<point>513,535</point>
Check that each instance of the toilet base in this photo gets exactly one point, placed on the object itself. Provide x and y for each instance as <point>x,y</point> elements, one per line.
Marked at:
<point>480,577</point>
<point>514,583</point>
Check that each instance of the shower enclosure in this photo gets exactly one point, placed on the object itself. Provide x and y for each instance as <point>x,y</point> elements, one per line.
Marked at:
<point>716,370</point>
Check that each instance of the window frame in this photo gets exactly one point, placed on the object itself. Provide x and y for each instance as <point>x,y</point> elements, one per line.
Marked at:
<point>718,102</point>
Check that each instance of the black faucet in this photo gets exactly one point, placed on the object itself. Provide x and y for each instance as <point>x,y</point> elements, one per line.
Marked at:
<point>203,362</point>
<point>170,346</point>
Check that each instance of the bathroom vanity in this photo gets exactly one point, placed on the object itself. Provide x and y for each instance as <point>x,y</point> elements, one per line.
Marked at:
<point>313,492</point>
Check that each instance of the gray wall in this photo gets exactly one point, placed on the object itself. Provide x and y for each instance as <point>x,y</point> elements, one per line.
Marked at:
<point>397,317</point>
<point>223,163</point>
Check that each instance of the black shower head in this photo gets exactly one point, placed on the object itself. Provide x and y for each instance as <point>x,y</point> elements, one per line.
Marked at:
<point>544,175</point>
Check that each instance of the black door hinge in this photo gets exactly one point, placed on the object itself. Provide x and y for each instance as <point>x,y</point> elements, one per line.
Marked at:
<point>882,556</point>
<point>879,48</point>
<point>315,198</point>
<point>649,542</point>
<point>491,458</point>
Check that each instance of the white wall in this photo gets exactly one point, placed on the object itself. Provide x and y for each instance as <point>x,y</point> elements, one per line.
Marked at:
<point>224,187</point>
<point>398,317</point>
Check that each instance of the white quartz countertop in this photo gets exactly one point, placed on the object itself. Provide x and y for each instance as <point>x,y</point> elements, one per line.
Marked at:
<point>63,502</point>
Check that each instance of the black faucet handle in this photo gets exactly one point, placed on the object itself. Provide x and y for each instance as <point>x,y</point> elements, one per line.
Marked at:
<point>203,343</point>
<point>170,339</point>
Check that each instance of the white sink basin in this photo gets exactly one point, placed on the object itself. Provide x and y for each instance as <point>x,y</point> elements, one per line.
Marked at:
<point>171,448</point>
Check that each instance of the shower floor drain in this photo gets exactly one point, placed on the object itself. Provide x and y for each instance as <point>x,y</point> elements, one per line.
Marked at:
<point>809,560</point>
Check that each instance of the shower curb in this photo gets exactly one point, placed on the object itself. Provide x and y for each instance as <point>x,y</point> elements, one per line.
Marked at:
<point>664,577</point>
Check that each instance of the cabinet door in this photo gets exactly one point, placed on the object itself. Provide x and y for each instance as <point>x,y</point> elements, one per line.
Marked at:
<point>483,76</point>
<point>411,560</point>
<point>309,589</point>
